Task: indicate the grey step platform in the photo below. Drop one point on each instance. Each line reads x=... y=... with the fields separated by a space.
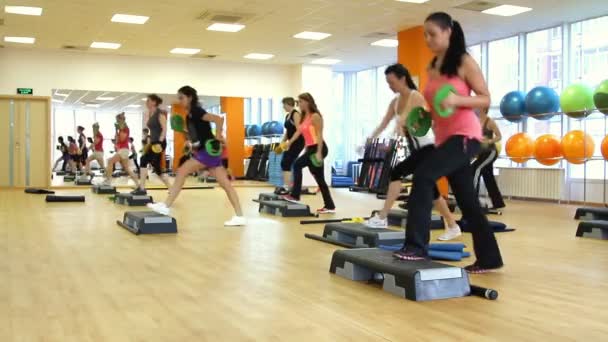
x=148 y=222
x=414 y=280
x=284 y=208
x=591 y=213
x=597 y=229
x=398 y=218
x=132 y=200
x=83 y=180
x=103 y=189
x=69 y=178
x=358 y=235
x=269 y=196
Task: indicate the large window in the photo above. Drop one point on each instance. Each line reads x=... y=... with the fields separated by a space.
x=503 y=66
x=544 y=59
x=475 y=52
x=590 y=50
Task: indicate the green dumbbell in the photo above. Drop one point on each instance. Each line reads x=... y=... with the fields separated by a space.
x=441 y=95
x=316 y=162
x=418 y=122
x=213 y=147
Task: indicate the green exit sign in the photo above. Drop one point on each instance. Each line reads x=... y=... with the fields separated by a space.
x=25 y=91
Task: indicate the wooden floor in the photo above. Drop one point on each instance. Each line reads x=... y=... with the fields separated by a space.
x=69 y=273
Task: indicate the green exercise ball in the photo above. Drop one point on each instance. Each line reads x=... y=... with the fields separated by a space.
x=600 y=98
x=577 y=100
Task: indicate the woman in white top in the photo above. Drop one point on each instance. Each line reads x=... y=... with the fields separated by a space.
x=407 y=98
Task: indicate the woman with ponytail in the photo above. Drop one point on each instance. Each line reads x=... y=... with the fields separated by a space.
x=407 y=97
x=457 y=140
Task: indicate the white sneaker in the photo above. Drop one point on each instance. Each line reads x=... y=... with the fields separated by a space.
x=236 y=221
x=450 y=234
x=376 y=222
x=159 y=207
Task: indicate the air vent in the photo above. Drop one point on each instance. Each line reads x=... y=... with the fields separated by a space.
x=1 y=22
x=228 y=19
x=204 y=56
x=225 y=17
x=379 y=35
x=312 y=55
x=477 y=6
x=75 y=48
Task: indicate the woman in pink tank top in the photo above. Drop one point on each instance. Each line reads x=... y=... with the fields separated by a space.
x=457 y=140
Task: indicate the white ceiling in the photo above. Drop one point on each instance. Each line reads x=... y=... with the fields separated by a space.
x=122 y=101
x=270 y=25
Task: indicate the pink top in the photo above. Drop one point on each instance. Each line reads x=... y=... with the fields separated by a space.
x=308 y=131
x=463 y=122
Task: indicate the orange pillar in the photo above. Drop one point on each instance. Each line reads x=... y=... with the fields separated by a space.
x=416 y=57
x=179 y=139
x=235 y=133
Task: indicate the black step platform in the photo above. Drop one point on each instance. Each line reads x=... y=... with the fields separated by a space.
x=103 y=189
x=414 y=280
x=65 y=198
x=398 y=218
x=148 y=222
x=591 y=213
x=284 y=208
x=358 y=235
x=69 y=178
x=132 y=200
x=597 y=229
x=83 y=180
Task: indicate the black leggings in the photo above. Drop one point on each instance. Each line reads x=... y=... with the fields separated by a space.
x=484 y=167
x=317 y=173
x=290 y=156
x=154 y=159
x=451 y=159
x=134 y=157
x=409 y=165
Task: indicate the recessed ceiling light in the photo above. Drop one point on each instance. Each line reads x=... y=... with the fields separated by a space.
x=261 y=56
x=386 y=43
x=326 y=61
x=105 y=98
x=92 y=105
x=225 y=27
x=185 y=51
x=103 y=45
x=312 y=35
x=507 y=10
x=134 y=106
x=129 y=19
x=56 y=101
x=23 y=10
x=20 y=40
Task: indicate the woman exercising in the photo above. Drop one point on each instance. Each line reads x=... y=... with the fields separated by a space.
x=311 y=128
x=122 y=151
x=133 y=155
x=457 y=139
x=74 y=153
x=292 y=122
x=152 y=155
x=97 y=149
x=484 y=164
x=82 y=145
x=407 y=97
x=65 y=156
x=199 y=131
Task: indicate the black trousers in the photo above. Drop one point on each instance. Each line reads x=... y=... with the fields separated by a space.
x=152 y=158
x=483 y=166
x=451 y=159
x=409 y=165
x=317 y=172
x=289 y=157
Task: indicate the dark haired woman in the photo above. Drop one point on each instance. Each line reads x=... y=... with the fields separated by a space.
x=65 y=156
x=152 y=154
x=121 y=145
x=82 y=145
x=292 y=122
x=484 y=163
x=457 y=140
x=74 y=152
x=311 y=128
x=198 y=123
x=96 y=148
x=407 y=97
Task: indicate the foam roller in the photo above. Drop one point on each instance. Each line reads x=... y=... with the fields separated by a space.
x=64 y=198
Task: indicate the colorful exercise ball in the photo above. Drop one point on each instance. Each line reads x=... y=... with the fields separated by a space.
x=513 y=106
x=604 y=148
x=254 y=131
x=600 y=97
x=548 y=149
x=577 y=100
x=520 y=147
x=542 y=100
x=577 y=147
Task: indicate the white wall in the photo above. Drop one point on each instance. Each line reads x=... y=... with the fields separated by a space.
x=44 y=70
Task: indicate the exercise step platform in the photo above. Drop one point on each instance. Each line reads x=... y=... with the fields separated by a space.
x=132 y=200
x=415 y=280
x=148 y=222
x=69 y=178
x=597 y=229
x=284 y=208
x=591 y=213
x=269 y=196
x=103 y=189
x=83 y=180
x=398 y=218
x=358 y=235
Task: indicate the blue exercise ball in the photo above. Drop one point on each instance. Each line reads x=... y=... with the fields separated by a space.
x=542 y=100
x=246 y=131
x=254 y=131
x=266 y=128
x=277 y=128
x=513 y=106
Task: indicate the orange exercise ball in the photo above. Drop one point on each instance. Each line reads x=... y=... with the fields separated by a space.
x=548 y=149
x=520 y=147
x=577 y=147
x=605 y=147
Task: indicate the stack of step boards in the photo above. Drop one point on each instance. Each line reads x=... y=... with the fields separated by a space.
x=595 y=224
x=103 y=189
x=273 y=204
x=414 y=280
x=148 y=222
x=132 y=200
x=398 y=218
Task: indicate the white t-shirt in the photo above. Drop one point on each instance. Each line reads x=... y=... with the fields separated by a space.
x=418 y=142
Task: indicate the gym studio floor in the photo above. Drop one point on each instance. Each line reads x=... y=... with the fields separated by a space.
x=71 y=274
